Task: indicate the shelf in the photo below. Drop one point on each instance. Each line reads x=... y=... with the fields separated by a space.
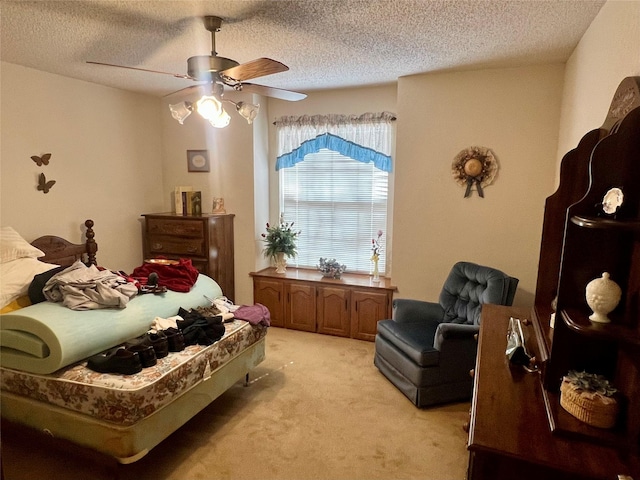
x=562 y=422
x=605 y=223
x=579 y=321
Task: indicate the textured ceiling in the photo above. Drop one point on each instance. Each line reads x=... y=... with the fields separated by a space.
x=325 y=43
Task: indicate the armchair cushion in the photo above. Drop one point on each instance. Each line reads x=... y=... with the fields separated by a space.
x=412 y=339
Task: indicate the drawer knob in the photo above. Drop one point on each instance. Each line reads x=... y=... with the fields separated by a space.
x=157 y=246
x=472 y=373
x=192 y=249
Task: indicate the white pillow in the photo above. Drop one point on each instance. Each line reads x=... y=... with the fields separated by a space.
x=17 y=275
x=13 y=246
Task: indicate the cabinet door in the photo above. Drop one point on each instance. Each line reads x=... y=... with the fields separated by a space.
x=270 y=293
x=300 y=308
x=333 y=311
x=367 y=308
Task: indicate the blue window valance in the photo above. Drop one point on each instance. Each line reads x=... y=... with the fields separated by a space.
x=365 y=138
x=336 y=144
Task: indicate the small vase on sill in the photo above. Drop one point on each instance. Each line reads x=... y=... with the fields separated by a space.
x=281 y=262
x=376 y=273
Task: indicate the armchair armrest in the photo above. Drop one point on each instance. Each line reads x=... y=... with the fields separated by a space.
x=454 y=331
x=405 y=311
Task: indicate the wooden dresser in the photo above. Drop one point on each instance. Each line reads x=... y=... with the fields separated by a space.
x=510 y=436
x=302 y=299
x=206 y=239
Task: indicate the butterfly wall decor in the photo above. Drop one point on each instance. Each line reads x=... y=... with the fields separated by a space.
x=44 y=185
x=43 y=160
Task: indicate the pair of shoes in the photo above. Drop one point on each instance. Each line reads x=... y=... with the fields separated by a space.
x=175 y=339
x=159 y=343
x=156 y=341
x=116 y=360
x=146 y=353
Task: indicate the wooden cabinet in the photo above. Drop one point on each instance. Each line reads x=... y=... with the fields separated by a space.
x=270 y=293
x=300 y=307
x=303 y=300
x=333 y=314
x=206 y=239
x=367 y=308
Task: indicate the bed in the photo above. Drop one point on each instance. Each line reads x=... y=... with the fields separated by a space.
x=47 y=387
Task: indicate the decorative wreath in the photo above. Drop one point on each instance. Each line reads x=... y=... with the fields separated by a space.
x=474 y=165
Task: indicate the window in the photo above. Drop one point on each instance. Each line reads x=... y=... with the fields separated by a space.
x=335 y=189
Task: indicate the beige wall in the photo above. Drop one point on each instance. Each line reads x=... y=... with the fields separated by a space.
x=515 y=113
x=106 y=160
x=608 y=52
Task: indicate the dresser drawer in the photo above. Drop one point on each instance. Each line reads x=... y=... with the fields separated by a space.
x=177 y=246
x=184 y=228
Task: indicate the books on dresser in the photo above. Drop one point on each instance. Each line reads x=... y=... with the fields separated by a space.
x=187 y=201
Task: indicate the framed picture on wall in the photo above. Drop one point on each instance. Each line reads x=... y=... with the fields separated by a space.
x=198 y=160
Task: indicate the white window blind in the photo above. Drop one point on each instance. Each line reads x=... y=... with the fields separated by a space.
x=339 y=204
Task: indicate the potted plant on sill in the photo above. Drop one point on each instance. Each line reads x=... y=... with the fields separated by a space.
x=280 y=243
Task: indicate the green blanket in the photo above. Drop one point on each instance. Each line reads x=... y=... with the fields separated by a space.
x=45 y=337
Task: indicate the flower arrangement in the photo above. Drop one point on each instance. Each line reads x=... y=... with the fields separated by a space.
x=331 y=268
x=280 y=238
x=590 y=382
x=376 y=248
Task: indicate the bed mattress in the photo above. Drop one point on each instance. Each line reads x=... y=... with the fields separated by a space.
x=127 y=399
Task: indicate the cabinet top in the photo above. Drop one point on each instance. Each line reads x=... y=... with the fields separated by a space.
x=310 y=275
x=179 y=215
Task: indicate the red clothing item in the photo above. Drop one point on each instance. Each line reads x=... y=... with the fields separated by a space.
x=179 y=277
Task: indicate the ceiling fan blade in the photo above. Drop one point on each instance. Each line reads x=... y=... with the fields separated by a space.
x=177 y=75
x=186 y=91
x=273 y=92
x=255 y=68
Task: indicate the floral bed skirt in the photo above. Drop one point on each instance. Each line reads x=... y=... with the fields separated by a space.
x=126 y=399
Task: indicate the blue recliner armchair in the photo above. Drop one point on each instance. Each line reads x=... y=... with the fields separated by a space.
x=428 y=349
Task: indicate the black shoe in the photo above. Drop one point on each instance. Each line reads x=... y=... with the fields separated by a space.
x=159 y=343
x=117 y=360
x=146 y=353
x=175 y=339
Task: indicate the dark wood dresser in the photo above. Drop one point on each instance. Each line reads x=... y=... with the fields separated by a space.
x=510 y=436
x=206 y=239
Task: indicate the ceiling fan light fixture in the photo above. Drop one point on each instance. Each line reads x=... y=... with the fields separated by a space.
x=222 y=120
x=248 y=111
x=209 y=107
x=180 y=111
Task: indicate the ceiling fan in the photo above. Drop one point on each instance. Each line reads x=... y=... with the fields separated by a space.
x=216 y=71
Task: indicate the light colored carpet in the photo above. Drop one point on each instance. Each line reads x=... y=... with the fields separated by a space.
x=316 y=408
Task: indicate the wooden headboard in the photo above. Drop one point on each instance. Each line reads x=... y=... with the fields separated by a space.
x=62 y=252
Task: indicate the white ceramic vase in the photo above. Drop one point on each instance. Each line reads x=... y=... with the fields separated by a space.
x=603 y=296
x=281 y=262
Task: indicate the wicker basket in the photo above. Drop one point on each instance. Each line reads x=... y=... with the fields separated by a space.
x=591 y=408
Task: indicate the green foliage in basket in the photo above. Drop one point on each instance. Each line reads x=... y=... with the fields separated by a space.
x=590 y=382
x=280 y=238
